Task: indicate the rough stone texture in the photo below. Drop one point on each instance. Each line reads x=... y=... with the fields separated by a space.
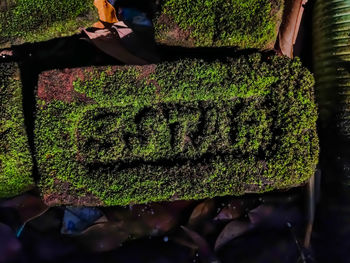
x=15 y=158
x=217 y=23
x=188 y=129
x=197 y=23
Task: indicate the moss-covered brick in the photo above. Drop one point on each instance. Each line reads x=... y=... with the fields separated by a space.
x=39 y=20
x=15 y=157
x=196 y=23
x=213 y=23
x=188 y=129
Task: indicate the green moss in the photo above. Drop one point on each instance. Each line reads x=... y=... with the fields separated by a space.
x=15 y=158
x=241 y=23
x=188 y=129
x=38 y=20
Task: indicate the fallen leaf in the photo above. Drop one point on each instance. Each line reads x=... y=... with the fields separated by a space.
x=184 y=242
x=148 y=220
x=49 y=222
x=27 y=205
x=231 y=211
x=201 y=211
x=258 y=214
x=128 y=220
x=156 y=217
x=204 y=250
x=102 y=237
x=102 y=219
x=231 y=231
x=116 y=213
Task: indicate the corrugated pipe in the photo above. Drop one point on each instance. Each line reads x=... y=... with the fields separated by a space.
x=331 y=60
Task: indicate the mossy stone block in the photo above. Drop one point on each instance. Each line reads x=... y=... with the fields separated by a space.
x=188 y=129
x=38 y=20
x=197 y=23
x=216 y=23
x=15 y=158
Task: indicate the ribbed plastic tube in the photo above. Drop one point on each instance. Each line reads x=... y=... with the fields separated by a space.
x=331 y=53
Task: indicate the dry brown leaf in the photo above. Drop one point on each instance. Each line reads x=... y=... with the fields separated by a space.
x=231 y=211
x=201 y=211
x=231 y=231
x=28 y=206
x=148 y=220
x=102 y=237
x=204 y=250
x=156 y=218
x=184 y=242
x=260 y=213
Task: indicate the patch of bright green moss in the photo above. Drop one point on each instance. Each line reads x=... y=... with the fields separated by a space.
x=188 y=129
x=15 y=157
x=39 y=20
x=240 y=23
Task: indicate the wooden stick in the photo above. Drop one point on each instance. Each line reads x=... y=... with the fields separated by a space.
x=310 y=213
x=289 y=29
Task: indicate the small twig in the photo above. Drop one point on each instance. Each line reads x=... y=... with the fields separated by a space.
x=20 y=230
x=310 y=213
x=205 y=252
x=302 y=256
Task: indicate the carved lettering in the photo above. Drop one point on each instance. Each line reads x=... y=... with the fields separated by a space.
x=161 y=132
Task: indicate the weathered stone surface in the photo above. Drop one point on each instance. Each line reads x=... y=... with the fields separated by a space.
x=188 y=129
x=197 y=23
x=15 y=158
x=38 y=20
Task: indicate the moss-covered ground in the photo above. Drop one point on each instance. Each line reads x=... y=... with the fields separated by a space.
x=240 y=23
x=187 y=129
x=39 y=20
x=15 y=157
